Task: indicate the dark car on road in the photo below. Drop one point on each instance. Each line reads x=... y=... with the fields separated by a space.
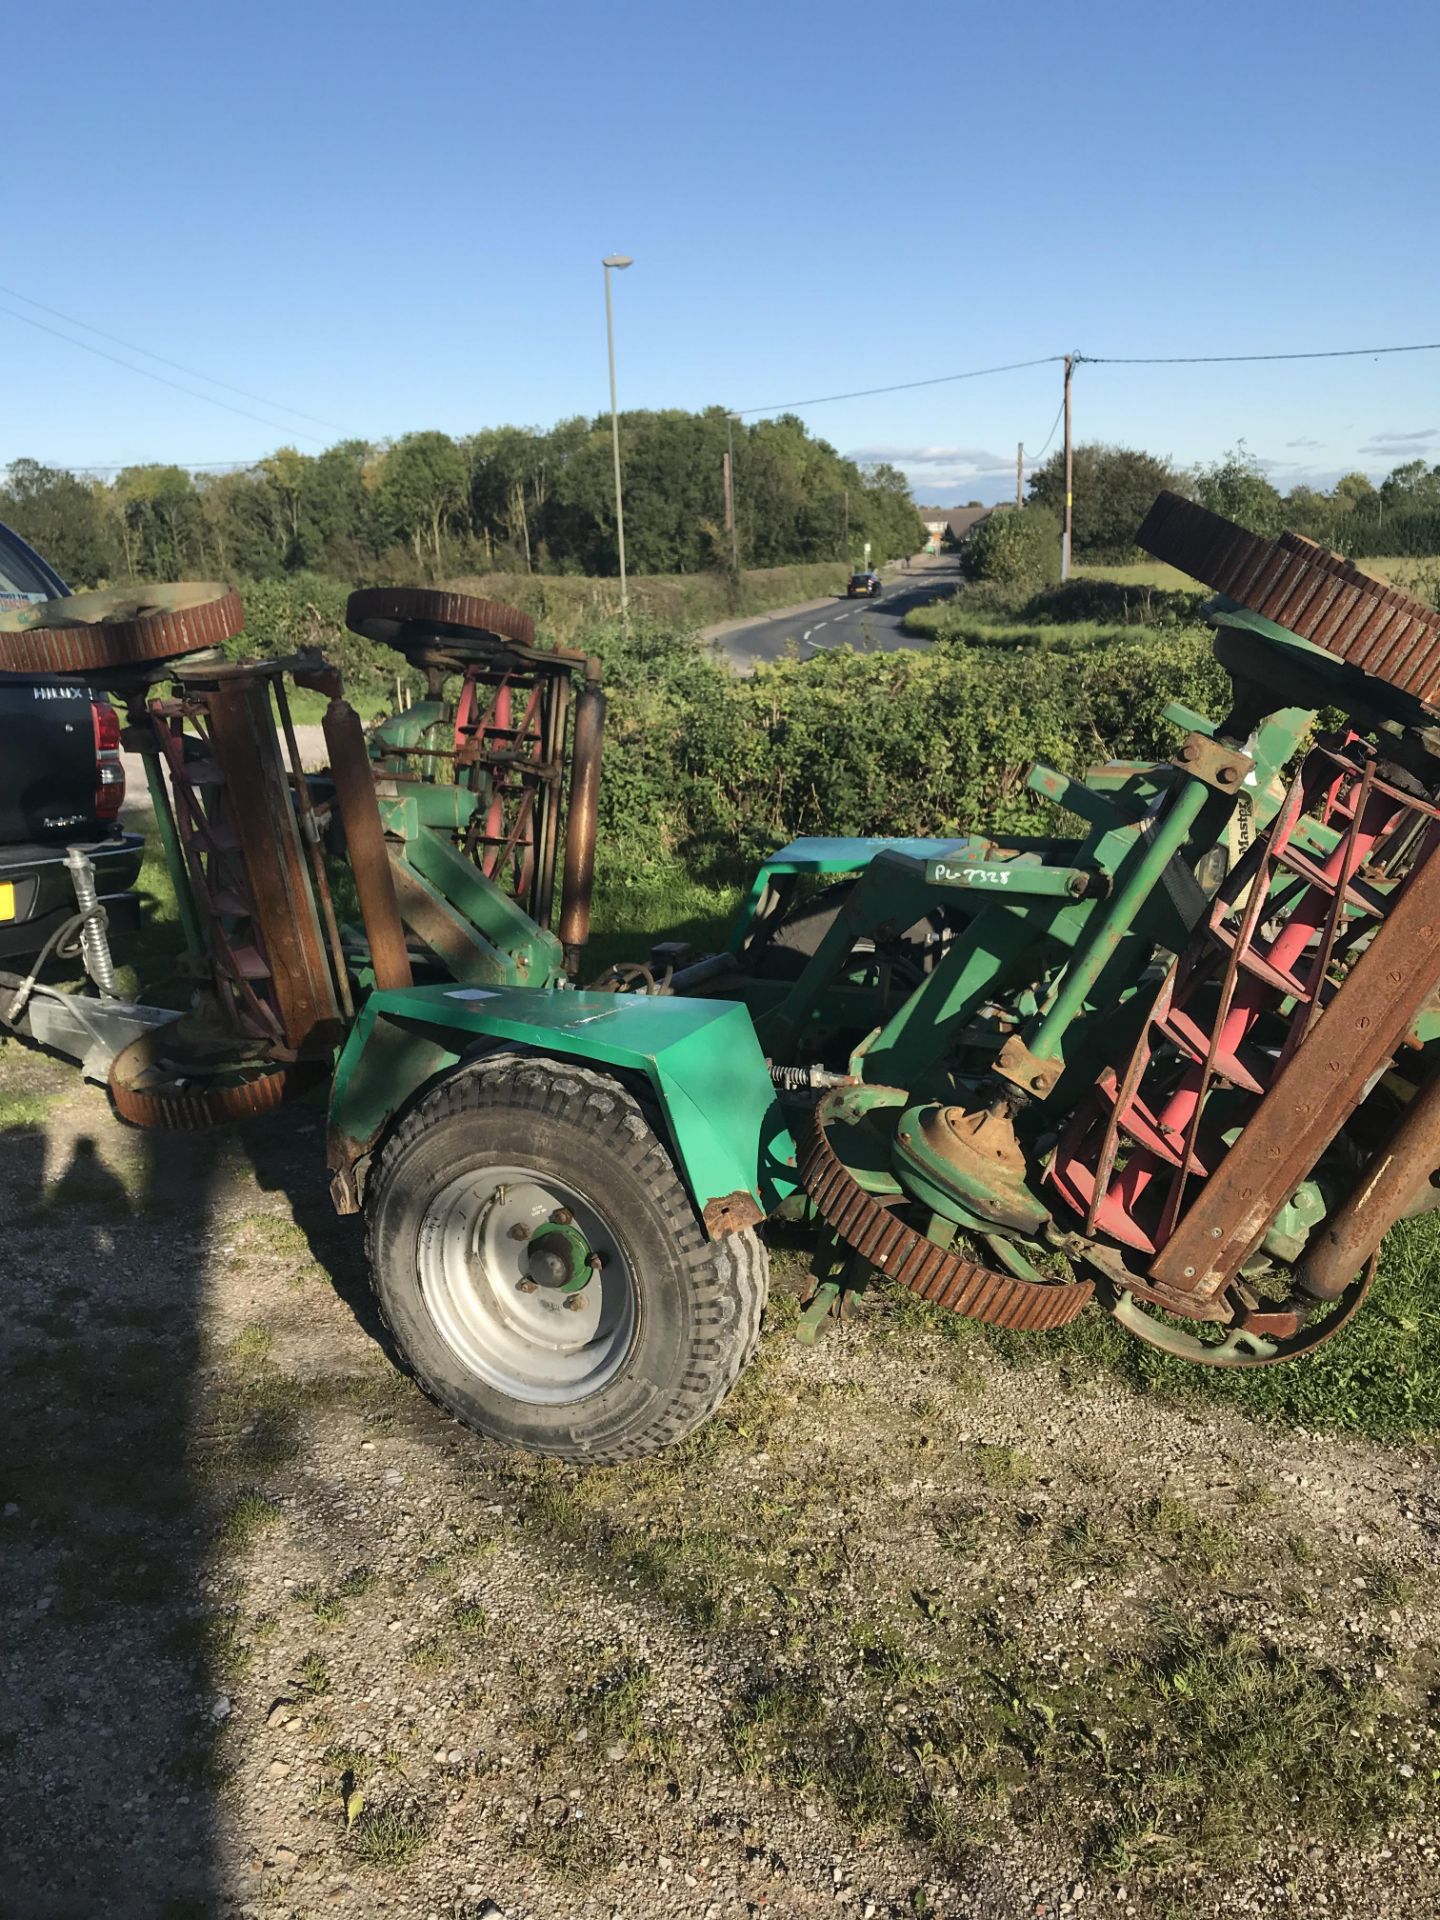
x=62 y=784
x=863 y=586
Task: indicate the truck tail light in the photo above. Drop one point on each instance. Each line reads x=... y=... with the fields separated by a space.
x=109 y=767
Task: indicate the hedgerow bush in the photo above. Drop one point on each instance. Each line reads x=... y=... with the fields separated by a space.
x=715 y=768
x=1014 y=549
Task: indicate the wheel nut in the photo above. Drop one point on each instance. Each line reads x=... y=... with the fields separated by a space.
x=561 y=1217
x=527 y=1285
x=519 y=1231
x=573 y=1303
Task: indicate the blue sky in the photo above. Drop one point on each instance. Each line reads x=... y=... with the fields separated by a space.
x=391 y=217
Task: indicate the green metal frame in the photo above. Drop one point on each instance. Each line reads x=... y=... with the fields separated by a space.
x=700 y=1057
x=488 y=938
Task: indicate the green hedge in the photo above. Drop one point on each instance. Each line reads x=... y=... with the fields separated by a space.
x=715 y=768
x=718 y=769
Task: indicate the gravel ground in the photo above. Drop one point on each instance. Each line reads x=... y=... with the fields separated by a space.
x=894 y=1636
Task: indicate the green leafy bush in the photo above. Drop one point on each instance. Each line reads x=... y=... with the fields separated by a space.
x=1017 y=549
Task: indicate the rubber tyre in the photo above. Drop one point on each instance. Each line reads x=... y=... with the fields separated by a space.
x=698 y=1301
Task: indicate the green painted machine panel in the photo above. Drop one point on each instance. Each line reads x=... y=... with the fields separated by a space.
x=700 y=1056
x=821 y=853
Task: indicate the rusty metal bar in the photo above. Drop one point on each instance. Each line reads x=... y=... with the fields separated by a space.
x=364 y=835
x=556 y=709
x=247 y=750
x=338 y=968
x=1396 y=1175
x=581 y=817
x=1312 y=1098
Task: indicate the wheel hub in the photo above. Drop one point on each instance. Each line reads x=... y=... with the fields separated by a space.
x=541 y=1307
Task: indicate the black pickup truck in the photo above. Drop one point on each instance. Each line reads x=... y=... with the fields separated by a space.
x=62 y=784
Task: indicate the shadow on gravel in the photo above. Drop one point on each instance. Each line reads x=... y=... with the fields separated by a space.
x=108 y=1707
x=286 y=1154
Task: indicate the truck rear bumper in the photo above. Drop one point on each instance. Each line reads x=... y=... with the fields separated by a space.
x=36 y=895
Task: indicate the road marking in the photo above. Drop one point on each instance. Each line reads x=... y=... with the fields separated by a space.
x=807 y=633
x=818 y=624
x=842 y=616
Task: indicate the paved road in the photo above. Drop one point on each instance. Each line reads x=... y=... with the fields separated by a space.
x=869 y=626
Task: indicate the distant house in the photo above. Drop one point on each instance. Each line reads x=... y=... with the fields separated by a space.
x=950 y=523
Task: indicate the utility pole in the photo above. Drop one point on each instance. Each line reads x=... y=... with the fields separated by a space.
x=845 y=554
x=1069 y=477
x=730 y=493
x=1020 y=474
x=618 y=261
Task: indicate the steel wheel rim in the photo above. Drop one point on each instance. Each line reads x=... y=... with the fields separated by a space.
x=527 y=1343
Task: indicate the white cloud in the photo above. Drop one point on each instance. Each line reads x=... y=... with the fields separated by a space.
x=956 y=461
x=1399 y=442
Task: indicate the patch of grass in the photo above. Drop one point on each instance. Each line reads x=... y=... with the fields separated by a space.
x=1202 y=1748
x=430 y=1655
x=611 y=1706
x=250 y=1347
x=25 y=1112
x=312 y=1675
x=1379 y=1376
x=1230 y=1741
x=1085 y=1544
x=246 y=1518
x=961 y=1531
x=1143 y=573
x=391 y=1837
x=1187 y=1536
x=999 y=1466
x=575 y=1849
x=688 y=1571
x=326 y=1605
x=469 y=1617
x=1386 y=1586
x=274 y=1235
x=339 y=1762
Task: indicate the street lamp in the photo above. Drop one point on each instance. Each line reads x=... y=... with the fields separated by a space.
x=730 y=420
x=619 y=261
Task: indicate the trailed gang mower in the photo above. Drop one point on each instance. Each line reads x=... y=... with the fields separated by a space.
x=1180 y=1062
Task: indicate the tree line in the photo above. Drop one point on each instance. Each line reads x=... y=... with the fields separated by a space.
x=508 y=499
x=1114 y=486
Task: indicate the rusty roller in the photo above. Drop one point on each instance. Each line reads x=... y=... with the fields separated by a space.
x=1305 y=589
x=385 y=614
x=119 y=627
x=937 y=1275
x=170 y=1096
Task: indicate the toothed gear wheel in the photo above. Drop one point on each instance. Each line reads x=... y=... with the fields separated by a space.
x=176 y=1097
x=395 y=616
x=896 y=1250
x=119 y=627
x=1310 y=592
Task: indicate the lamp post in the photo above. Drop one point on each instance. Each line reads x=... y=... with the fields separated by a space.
x=730 y=420
x=618 y=261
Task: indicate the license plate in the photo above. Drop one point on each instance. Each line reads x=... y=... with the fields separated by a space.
x=7 y=900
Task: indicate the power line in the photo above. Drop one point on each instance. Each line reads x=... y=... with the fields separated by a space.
x=175 y=366
x=129 y=366
x=120 y=466
x=1049 y=436
x=1219 y=359
x=858 y=393
x=904 y=386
